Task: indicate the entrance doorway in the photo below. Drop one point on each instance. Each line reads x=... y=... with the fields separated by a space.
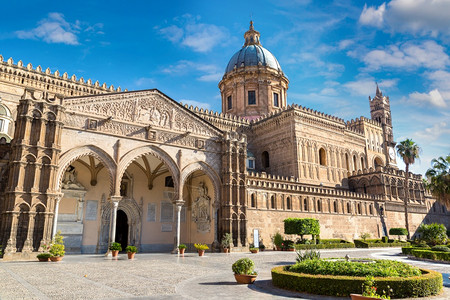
x=122 y=229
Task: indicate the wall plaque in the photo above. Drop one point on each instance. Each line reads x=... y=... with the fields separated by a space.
x=166 y=227
x=151 y=212
x=166 y=211
x=91 y=210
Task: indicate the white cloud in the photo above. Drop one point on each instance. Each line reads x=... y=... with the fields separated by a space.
x=367 y=86
x=409 y=55
x=54 y=29
x=209 y=72
x=200 y=37
x=145 y=81
x=433 y=133
x=434 y=98
x=373 y=16
x=194 y=103
x=344 y=44
x=424 y=17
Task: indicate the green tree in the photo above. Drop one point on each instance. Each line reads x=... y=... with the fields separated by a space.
x=408 y=151
x=433 y=234
x=439 y=179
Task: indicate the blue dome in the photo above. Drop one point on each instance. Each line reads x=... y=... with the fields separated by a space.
x=253 y=55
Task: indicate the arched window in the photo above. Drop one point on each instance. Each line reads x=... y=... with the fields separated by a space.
x=288 y=203
x=253 y=200
x=370 y=209
x=5 y=122
x=359 y=208
x=355 y=168
x=335 y=207
x=347 y=164
x=362 y=163
x=322 y=157
x=265 y=159
x=319 y=205
x=349 y=209
x=378 y=162
x=305 y=204
x=272 y=202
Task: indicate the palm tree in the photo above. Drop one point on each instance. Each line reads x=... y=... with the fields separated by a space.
x=408 y=150
x=439 y=179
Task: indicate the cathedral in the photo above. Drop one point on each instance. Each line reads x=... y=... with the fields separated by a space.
x=100 y=164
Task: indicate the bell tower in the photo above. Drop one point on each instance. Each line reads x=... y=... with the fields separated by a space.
x=380 y=111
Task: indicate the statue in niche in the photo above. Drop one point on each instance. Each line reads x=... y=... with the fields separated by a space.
x=201 y=213
x=70 y=181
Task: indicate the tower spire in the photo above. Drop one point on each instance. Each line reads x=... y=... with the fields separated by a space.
x=378 y=93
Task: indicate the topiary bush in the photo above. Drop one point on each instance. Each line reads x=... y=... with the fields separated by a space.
x=244 y=266
x=378 y=243
x=398 y=232
x=325 y=246
x=427 y=284
x=440 y=248
x=433 y=255
x=301 y=226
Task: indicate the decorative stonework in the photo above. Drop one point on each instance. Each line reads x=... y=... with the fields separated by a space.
x=201 y=209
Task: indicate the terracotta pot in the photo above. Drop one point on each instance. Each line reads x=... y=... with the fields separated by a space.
x=245 y=279
x=201 y=252
x=226 y=250
x=278 y=248
x=114 y=253
x=360 y=297
x=181 y=250
x=254 y=251
x=290 y=249
x=56 y=258
x=131 y=255
x=43 y=259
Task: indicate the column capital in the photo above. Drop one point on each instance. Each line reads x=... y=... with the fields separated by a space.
x=115 y=199
x=179 y=202
x=59 y=196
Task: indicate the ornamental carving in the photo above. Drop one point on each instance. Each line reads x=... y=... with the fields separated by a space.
x=201 y=210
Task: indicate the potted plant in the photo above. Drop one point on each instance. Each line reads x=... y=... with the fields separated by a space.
x=244 y=271
x=181 y=248
x=131 y=251
x=278 y=241
x=288 y=245
x=370 y=291
x=44 y=256
x=201 y=248
x=261 y=246
x=253 y=249
x=115 y=248
x=57 y=247
x=226 y=242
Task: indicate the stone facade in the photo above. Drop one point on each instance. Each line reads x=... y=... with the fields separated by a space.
x=137 y=167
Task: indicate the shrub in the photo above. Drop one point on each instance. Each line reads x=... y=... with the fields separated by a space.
x=433 y=234
x=379 y=268
x=115 y=247
x=308 y=254
x=261 y=246
x=201 y=246
x=287 y=244
x=408 y=250
x=434 y=255
x=440 y=248
x=325 y=246
x=385 y=239
x=378 y=243
x=244 y=266
x=57 y=245
x=365 y=236
x=131 y=249
x=227 y=240
x=398 y=232
x=278 y=240
x=301 y=226
x=429 y=283
x=44 y=255
x=182 y=246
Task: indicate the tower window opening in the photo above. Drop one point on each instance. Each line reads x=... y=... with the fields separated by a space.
x=275 y=100
x=251 y=98
x=322 y=157
x=229 y=102
x=265 y=159
x=272 y=202
x=253 y=200
x=288 y=203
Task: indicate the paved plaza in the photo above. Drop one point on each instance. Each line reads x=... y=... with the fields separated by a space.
x=165 y=276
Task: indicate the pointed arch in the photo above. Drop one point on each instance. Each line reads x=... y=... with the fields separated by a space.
x=208 y=170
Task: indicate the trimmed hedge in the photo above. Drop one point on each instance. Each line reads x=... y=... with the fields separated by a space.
x=429 y=254
x=324 y=246
x=407 y=250
x=371 y=244
x=427 y=284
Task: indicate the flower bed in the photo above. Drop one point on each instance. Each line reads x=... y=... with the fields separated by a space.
x=427 y=284
x=378 y=243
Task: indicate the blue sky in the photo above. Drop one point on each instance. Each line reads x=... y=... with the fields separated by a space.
x=333 y=52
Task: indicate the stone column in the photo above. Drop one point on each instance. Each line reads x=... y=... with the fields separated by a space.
x=115 y=201
x=178 y=205
x=28 y=245
x=216 y=207
x=11 y=245
x=55 y=218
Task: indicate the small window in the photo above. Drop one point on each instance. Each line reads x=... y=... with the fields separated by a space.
x=319 y=205
x=229 y=102
x=168 y=181
x=335 y=207
x=265 y=159
x=288 y=203
x=359 y=208
x=370 y=209
x=305 y=204
x=272 y=202
x=275 y=100
x=349 y=209
x=251 y=163
x=251 y=98
x=253 y=200
x=322 y=157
